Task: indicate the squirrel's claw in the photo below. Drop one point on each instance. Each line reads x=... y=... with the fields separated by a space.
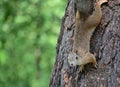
x=96 y=66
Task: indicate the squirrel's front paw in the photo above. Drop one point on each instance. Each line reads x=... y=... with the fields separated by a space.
x=81 y=68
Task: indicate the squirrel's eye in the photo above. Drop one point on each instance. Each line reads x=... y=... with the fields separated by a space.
x=76 y=57
x=71 y=64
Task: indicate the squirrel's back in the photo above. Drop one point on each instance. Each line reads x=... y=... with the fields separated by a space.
x=85 y=7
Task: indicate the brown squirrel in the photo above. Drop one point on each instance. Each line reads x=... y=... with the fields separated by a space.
x=85 y=23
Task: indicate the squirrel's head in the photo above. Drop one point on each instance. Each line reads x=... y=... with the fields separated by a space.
x=74 y=59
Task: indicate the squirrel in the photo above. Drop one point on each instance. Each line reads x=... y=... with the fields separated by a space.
x=86 y=21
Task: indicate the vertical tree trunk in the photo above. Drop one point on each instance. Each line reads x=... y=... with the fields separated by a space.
x=105 y=42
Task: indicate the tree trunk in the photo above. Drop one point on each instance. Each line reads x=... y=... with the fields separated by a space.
x=105 y=42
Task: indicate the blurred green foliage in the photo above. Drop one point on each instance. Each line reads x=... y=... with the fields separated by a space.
x=28 y=35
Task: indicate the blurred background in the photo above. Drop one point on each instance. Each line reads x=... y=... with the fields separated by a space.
x=29 y=31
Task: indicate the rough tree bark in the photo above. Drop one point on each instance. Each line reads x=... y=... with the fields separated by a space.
x=105 y=42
